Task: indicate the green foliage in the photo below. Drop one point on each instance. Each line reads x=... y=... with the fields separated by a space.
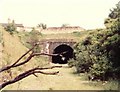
x=33 y=38
x=98 y=54
x=71 y=63
x=92 y=56
x=65 y=25
x=11 y=27
x=77 y=33
x=42 y=25
x=83 y=58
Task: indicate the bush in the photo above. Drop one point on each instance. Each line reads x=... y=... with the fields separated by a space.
x=71 y=63
x=11 y=27
x=99 y=53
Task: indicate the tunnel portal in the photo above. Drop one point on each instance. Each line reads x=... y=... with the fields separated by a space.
x=64 y=57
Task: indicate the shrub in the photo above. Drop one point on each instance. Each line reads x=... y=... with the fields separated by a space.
x=11 y=27
x=71 y=63
x=98 y=54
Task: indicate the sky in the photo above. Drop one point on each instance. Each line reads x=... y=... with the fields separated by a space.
x=89 y=14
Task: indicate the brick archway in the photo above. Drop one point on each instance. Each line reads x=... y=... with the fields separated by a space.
x=50 y=45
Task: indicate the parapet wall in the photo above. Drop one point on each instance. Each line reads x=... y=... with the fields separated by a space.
x=56 y=30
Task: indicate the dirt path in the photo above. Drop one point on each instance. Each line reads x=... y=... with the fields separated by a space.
x=65 y=80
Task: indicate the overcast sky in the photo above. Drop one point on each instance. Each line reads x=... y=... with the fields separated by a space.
x=89 y=14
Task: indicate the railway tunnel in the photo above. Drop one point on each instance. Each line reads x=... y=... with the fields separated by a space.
x=66 y=54
x=63 y=47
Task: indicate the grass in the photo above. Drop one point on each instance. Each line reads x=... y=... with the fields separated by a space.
x=76 y=36
x=103 y=85
x=13 y=49
x=65 y=80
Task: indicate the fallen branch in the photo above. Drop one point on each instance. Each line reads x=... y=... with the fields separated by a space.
x=28 y=73
x=13 y=65
x=16 y=64
x=23 y=55
x=31 y=71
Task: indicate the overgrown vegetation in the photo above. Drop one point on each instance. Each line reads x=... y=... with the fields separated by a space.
x=32 y=38
x=98 y=54
x=29 y=39
x=11 y=27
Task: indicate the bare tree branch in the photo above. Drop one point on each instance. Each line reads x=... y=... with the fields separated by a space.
x=28 y=73
x=23 y=55
x=31 y=71
x=29 y=58
x=13 y=65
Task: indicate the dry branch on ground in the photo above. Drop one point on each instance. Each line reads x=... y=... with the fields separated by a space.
x=33 y=71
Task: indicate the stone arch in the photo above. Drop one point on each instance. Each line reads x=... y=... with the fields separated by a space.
x=62 y=59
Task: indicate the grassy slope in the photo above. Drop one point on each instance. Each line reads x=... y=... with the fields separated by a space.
x=11 y=50
x=12 y=46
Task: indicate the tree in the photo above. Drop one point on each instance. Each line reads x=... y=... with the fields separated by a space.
x=11 y=27
x=101 y=52
x=113 y=20
x=42 y=25
x=113 y=40
x=65 y=25
x=34 y=37
x=115 y=12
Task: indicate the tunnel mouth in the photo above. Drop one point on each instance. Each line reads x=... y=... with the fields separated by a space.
x=65 y=53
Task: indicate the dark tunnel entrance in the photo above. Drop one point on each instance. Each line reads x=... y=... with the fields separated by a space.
x=64 y=57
